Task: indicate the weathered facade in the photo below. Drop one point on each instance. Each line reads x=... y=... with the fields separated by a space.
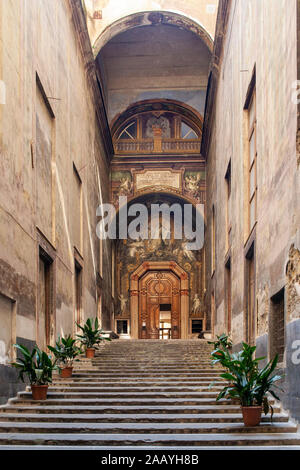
x=174 y=103
x=54 y=164
x=61 y=115
x=253 y=217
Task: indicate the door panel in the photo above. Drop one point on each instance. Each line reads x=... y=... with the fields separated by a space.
x=155 y=289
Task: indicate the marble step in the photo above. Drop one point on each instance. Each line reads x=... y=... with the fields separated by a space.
x=140 y=418
x=138 y=380
x=169 y=400
x=40 y=407
x=269 y=448
x=187 y=395
x=126 y=389
x=195 y=439
x=152 y=428
x=116 y=374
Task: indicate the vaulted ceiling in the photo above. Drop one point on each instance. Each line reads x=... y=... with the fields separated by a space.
x=154 y=62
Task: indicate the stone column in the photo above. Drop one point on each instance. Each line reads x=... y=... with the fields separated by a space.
x=185 y=301
x=134 y=308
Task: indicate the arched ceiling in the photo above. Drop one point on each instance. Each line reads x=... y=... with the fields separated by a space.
x=157 y=61
x=102 y=14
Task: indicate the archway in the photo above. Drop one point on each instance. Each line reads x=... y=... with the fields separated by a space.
x=170 y=287
x=152 y=18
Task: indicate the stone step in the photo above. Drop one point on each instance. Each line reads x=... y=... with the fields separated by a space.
x=141 y=371
x=99 y=389
x=154 y=357
x=138 y=380
x=172 y=440
x=152 y=352
x=117 y=401
x=159 y=366
x=141 y=374
x=102 y=396
x=118 y=448
x=40 y=407
x=152 y=428
x=153 y=369
x=139 y=418
x=140 y=394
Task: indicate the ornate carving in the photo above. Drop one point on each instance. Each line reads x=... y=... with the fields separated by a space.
x=184 y=292
x=134 y=293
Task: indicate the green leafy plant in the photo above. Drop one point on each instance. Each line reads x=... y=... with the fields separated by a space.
x=65 y=350
x=249 y=384
x=91 y=335
x=223 y=342
x=36 y=365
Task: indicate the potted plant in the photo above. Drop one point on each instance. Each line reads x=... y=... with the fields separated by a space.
x=91 y=335
x=249 y=384
x=38 y=366
x=221 y=352
x=65 y=351
x=223 y=342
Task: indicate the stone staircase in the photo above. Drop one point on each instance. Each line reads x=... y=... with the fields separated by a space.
x=145 y=394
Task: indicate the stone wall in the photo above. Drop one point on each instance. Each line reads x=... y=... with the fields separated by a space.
x=48 y=130
x=258 y=41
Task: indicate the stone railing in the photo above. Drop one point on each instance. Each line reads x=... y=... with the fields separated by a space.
x=157 y=145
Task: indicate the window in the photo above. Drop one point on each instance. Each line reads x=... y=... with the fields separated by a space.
x=228 y=205
x=187 y=132
x=213 y=241
x=78 y=292
x=45 y=156
x=113 y=257
x=250 y=296
x=165 y=307
x=251 y=157
x=122 y=327
x=228 y=294
x=212 y=312
x=99 y=307
x=77 y=219
x=101 y=257
x=44 y=296
x=197 y=326
x=129 y=132
x=276 y=326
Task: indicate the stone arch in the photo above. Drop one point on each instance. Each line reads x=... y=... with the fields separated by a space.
x=148 y=193
x=148 y=18
x=185 y=111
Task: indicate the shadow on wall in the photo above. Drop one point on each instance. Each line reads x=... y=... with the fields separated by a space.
x=10 y=384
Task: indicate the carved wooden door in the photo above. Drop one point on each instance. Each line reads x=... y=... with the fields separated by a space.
x=158 y=288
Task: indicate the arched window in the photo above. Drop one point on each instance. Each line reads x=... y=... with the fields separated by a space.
x=129 y=131
x=187 y=132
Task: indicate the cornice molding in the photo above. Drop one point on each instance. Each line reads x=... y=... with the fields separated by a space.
x=78 y=18
x=213 y=80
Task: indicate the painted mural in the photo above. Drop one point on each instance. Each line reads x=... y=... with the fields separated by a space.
x=130 y=254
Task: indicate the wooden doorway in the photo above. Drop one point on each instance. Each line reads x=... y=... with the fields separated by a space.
x=159 y=305
x=143 y=316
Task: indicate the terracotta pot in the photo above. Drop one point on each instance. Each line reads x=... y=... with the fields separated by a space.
x=66 y=372
x=90 y=352
x=251 y=415
x=39 y=392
